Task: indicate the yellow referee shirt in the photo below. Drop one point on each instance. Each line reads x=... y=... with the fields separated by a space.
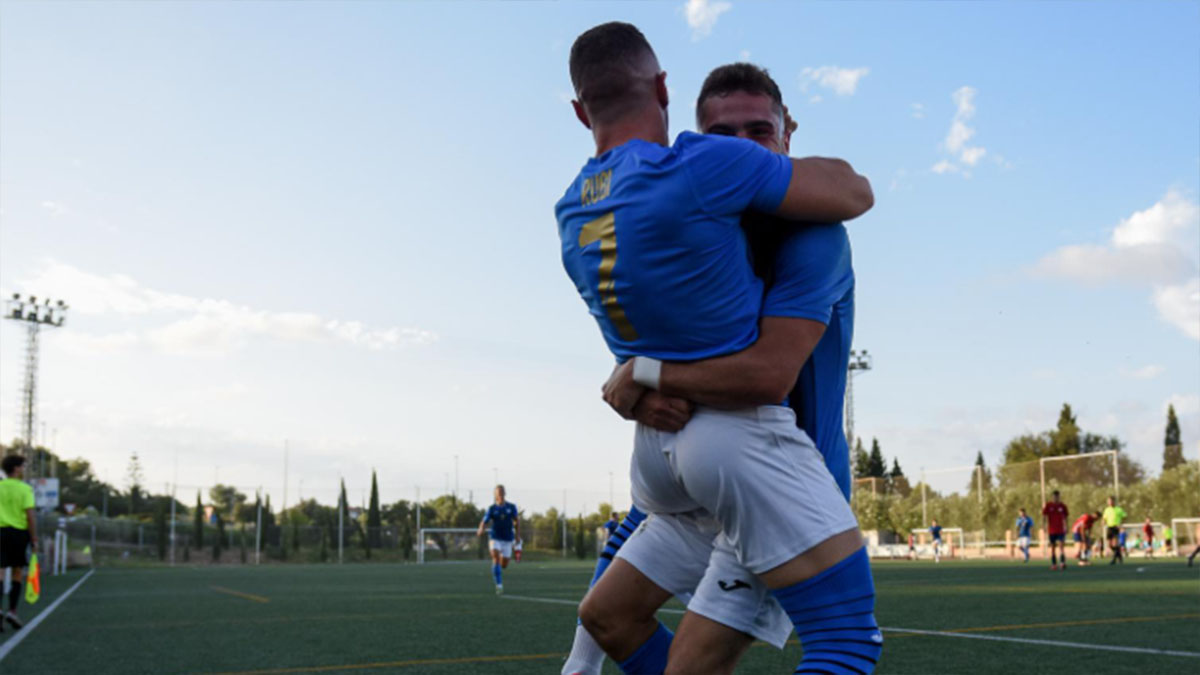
x=16 y=497
x=1113 y=516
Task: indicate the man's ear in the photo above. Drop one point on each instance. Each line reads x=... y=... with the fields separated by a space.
x=660 y=89
x=581 y=114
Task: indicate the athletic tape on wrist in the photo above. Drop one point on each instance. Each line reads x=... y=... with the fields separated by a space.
x=647 y=371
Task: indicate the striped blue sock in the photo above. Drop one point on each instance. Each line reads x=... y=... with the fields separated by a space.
x=651 y=657
x=616 y=540
x=496 y=572
x=834 y=615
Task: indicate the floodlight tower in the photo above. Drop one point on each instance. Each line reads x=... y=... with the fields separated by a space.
x=27 y=310
x=860 y=361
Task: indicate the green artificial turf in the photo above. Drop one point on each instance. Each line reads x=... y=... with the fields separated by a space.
x=406 y=618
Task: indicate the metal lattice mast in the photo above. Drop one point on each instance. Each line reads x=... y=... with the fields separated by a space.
x=859 y=361
x=34 y=316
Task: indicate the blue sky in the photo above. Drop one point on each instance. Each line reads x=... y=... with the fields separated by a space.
x=332 y=223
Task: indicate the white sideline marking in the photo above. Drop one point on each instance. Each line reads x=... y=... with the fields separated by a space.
x=573 y=603
x=1048 y=643
x=938 y=633
x=23 y=633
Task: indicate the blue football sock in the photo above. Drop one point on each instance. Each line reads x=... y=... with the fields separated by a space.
x=496 y=573
x=834 y=615
x=651 y=657
x=616 y=540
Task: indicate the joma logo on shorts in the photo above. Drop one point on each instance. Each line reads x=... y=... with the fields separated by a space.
x=737 y=583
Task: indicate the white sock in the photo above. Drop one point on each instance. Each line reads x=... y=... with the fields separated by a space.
x=586 y=656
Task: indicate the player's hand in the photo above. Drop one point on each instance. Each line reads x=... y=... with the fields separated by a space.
x=621 y=392
x=662 y=412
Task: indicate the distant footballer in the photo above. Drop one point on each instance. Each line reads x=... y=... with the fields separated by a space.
x=505 y=530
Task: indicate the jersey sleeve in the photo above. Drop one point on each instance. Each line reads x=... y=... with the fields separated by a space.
x=28 y=502
x=813 y=271
x=732 y=175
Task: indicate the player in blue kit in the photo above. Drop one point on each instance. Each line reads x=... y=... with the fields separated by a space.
x=1024 y=532
x=682 y=289
x=506 y=529
x=935 y=531
x=810 y=282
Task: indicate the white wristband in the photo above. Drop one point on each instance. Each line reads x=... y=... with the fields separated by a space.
x=647 y=371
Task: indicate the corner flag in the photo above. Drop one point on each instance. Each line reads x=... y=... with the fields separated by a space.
x=33 y=583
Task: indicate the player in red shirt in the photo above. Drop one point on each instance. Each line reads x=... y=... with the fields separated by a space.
x=1081 y=532
x=1148 y=536
x=1054 y=516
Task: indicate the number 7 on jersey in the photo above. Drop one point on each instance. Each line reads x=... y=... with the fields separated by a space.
x=604 y=230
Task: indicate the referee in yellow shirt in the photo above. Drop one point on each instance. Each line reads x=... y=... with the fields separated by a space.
x=18 y=531
x=1113 y=517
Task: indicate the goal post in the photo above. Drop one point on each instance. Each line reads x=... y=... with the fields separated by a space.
x=1185 y=533
x=448 y=540
x=952 y=537
x=1103 y=456
x=1133 y=534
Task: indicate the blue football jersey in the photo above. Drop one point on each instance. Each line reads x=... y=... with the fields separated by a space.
x=812 y=277
x=936 y=531
x=501 y=516
x=1024 y=526
x=651 y=238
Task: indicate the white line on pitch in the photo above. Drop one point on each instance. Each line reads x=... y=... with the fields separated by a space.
x=969 y=636
x=21 y=634
x=1048 y=643
x=573 y=603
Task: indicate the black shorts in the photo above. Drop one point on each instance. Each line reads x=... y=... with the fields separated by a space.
x=1058 y=538
x=1113 y=532
x=14 y=547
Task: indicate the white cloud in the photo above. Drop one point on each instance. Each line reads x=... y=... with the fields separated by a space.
x=960 y=133
x=1155 y=247
x=1179 y=306
x=841 y=81
x=918 y=111
x=702 y=16
x=946 y=166
x=815 y=98
x=1162 y=223
x=1185 y=404
x=55 y=208
x=207 y=325
x=88 y=344
x=1148 y=372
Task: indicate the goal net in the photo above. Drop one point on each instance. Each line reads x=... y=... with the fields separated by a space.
x=438 y=544
x=1135 y=539
x=952 y=542
x=1185 y=535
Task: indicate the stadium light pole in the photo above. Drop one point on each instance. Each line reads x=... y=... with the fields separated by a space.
x=27 y=310
x=258 y=527
x=341 y=510
x=860 y=361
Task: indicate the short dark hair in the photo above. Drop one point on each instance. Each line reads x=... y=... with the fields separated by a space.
x=604 y=62
x=746 y=77
x=11 y=462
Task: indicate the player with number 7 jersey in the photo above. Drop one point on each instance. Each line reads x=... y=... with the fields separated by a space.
x=651 y=236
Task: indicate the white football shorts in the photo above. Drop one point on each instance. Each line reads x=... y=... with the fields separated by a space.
x=676 y=552
x=1022 y=542
x=754 y=471
x=504 y=547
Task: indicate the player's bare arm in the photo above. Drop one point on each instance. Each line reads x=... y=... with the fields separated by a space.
x=761 y=374
x=825 y=190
